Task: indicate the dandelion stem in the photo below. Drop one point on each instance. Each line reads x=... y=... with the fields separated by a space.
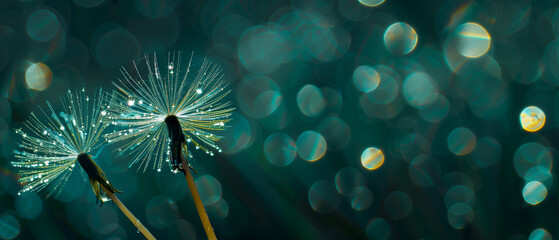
x=129 y=215
x=196 y=196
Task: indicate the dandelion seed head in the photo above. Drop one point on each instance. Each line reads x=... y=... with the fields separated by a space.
x=193 y=91
x=52 y=140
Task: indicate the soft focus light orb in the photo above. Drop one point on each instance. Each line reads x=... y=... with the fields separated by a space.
x=347 y=180
x=28 y=205
x=400 y=38
x=424 y=170
x=280 y=149
x=365 y=78
x=540 y=234
x=38 y=76
x=532 y=119
x=372 y=158
x=398 y=205
x=162 y=212
x=371 y=3
x=239 y=136
x=102 y=220
x=115 y=48
x=219 y=208
x=262 y=49
x=534 y=192
x=459 y=215
x=473 y=40
x=258 y=96
x=361 y=198
x=540 y=174
x=459 y=193
x=311 y=146
x=461 y=141
x=532 y=155
x=89 y=3
x=420 y=90
x=436 y=111
x=310 y=100
x=209 y=188
x=42 y=25
x=487 y=153
x=323 y=196
x=378 y=228
x=9 y=226
x=336 y=133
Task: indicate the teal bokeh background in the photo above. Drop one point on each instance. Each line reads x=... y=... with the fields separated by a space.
x=315 y=83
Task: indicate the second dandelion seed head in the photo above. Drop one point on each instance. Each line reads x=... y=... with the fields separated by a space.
x=52 y=143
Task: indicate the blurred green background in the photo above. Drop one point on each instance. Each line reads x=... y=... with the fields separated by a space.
x=394 y=119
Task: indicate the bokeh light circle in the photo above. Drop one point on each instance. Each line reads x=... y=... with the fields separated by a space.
x=378 y=229
x=347 y=179
x=365 y=78
x=116 y=48
x=29 y=205
x=310 y=100
x=436 y=111
x=280 y=149
x=371 y=3
x=9 y=226
x=361 y=198
x=425 y=170
x=156 y=8
x=372 y=158
x=388 y=87
x=166 y=183
x=88 y=3
x=161 y=212
x=459 y=193
x=323 y=196
x=219 y=208
x=258 y=96
x=532 y=155
x=540 y=234
x=540 y=174
x=42 y=25
x=534 y=192
x=239 y=136
x=460 y=215
x=473 y=40
x=532 y=119
x=400 y=38
x=262 y=49
x=209 y=189
x=461 y=141
x=311 y=146
x=38 y=76
x=420 y=90
x=398 y=205
x=102 y=220
x=336 y=133
x=487 y=152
